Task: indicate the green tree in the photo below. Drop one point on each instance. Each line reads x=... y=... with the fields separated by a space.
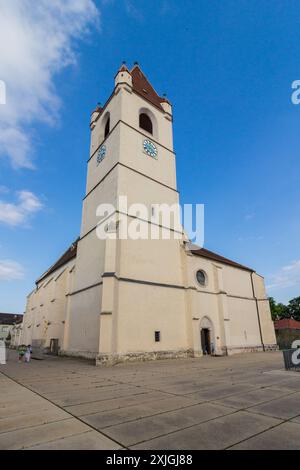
x=294 y=308
x=278 y=311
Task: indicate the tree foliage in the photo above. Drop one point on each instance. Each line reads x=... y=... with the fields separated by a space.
x=279 y=310
x=294 y=308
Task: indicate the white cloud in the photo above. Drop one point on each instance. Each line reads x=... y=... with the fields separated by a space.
x=19 y=213
x=133 y=11
x=10 y=270
x=37 y=40
x=287 y=276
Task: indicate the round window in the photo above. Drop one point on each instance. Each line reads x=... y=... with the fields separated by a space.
x=201 y=277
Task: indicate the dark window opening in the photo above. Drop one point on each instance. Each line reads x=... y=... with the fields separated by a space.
x=157 y=336
x=107 y=128
x=146 y=123
x=201 y=277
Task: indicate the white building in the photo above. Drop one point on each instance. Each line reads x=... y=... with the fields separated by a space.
x=134 y=299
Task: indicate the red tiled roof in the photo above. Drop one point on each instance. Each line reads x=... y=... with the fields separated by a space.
x=215 y=257
x=287 y=323
x=67 y=256
x=142 y=86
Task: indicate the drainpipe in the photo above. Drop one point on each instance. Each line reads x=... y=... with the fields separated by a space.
x=257 y=310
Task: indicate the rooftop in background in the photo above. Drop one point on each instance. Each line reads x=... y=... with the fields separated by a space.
x=10 y=318
x=287 y=324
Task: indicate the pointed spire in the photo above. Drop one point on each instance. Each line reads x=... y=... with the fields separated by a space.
x=164 y=99
x=123 y=67
x=123 y=75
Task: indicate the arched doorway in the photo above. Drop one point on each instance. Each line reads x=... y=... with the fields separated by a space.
x=207 y=336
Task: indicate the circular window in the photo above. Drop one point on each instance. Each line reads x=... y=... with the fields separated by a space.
x=201 y=277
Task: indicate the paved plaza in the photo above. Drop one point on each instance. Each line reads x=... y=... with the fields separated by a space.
x=245 y=401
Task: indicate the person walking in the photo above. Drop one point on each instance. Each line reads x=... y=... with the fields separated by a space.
x=21 y=352
x=28 y=352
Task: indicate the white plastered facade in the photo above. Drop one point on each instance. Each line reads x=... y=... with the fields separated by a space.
x=108 y=302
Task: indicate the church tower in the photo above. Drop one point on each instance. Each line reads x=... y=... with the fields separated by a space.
x=133 y=286
x=128 y=297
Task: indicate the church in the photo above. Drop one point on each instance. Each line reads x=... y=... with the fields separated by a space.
x=117 y=299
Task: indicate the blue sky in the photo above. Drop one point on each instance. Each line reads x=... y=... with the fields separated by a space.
x=226 y=66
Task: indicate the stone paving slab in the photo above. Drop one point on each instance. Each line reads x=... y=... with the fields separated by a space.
x=148 y=428
x=114 y=403
x=27 y=420
x=285 y=436
x=32 y=419
x=216 y=434
x=91 y=440
x=251 y=398
x=85 y=397
x=21 y=438
x=109 y=418
x=284 y=408
x=173 y=404
x=217 y=392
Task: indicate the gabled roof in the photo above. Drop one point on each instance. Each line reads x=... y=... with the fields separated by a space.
x=10 y=318
x=69 y=254
x=143 y=87
x=215 y=257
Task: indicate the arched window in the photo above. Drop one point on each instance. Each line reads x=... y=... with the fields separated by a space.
x=146 y=123
x=107 y=127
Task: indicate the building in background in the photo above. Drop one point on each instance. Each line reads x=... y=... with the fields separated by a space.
x=8 y=322
x=287 y=330
x=122 y=299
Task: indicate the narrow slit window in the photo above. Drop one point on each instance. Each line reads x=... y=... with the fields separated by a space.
x=157 y=336
x=107 y=128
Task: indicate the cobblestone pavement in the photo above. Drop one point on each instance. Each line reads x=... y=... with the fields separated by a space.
x=245 y=401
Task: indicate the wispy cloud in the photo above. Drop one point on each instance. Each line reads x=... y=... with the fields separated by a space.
x=249 y=216
x=133 y=11
x=38 y=39
x=287 y=276
x=10 y=270
x=19 y=212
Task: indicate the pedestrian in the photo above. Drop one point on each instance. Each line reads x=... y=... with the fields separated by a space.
x=21 y=352
x=28 y=353
x=2 y=352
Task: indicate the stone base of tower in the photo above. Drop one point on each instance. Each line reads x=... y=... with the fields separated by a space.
x=110 y=359
x=90 y=355
x=250 y=349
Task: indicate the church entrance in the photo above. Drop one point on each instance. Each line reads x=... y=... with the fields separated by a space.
x=205 y=341
x=207 y=336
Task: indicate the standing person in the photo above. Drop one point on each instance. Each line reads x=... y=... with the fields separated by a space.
x=2 y=352
x=21 y=352
x=28 y=353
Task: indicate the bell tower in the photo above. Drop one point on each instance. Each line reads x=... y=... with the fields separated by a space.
x=120 y=302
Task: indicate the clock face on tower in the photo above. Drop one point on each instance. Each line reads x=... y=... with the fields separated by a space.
x=101 y=154
x=150 y=148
